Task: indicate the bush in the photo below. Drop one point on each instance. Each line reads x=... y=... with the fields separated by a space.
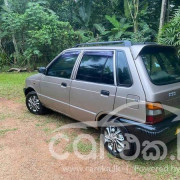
x=39 y=35
x=170 y=33
x=4 y=60
x=47 y=38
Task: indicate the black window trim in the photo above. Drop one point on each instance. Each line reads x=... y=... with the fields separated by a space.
x=117 y=78
x=56 y=58
x=98 y=50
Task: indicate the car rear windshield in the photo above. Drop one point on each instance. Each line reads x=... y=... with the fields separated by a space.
x=162 y=64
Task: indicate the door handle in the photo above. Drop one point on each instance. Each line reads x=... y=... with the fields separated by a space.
x=63 y=84
x=105 y=93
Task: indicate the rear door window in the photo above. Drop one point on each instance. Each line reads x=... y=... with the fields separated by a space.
x=123 y=72
x=96 y=67
x=162 y=64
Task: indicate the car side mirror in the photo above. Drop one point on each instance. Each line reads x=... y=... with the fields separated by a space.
x=42 y=70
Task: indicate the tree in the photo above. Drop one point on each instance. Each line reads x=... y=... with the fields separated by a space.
x=170 y=33
x=133 y=7
x=12 y=32
x=117 y=31
x=163 y=14
x=39 y=31
x=34 y=31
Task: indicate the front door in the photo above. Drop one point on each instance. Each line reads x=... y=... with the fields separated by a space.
x=55 y=85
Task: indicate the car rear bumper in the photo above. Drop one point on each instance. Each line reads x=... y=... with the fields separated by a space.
x=164 y=131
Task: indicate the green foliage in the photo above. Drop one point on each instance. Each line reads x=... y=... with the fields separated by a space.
x=85 y=36
x=45 y=32
x=102 y=32
x=39 y=33
x=33 y=32
x=4 y=59
x=126 y=9
x=170 y=34
x=119 y=29
x=144 y=34
x=85 y=11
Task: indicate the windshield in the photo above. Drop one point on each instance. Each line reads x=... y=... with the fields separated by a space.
x=162 y=64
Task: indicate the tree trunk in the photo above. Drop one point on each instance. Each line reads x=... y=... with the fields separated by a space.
x=168 y=10
x=135 y=25
x=6 y=3
x=1 y=45
x=16 y=48
x=134 y=11
x=163 y=14
x=13 y=36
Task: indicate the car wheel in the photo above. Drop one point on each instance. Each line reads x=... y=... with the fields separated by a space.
x=34 y=105
x=116 y=142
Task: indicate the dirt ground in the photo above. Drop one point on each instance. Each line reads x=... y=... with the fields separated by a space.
x=24 y=152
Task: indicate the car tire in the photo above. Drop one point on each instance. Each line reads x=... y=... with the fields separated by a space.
x=34 y=105
x=115 y=140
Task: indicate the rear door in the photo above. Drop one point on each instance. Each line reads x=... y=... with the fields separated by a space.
x=55 y=85
x=93 y=89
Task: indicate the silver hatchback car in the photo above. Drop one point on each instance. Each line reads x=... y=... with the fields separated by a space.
x=131 y=83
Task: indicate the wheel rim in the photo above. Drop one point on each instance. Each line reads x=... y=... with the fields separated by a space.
x=114 y=139
x=34 y=103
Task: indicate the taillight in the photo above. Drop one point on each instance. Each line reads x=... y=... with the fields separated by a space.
x=154 y=113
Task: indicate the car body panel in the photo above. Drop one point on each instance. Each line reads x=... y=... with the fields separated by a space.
x=83 y=101
x=53 y=94
x=134 y=93
x=86 y=100
x=136 y=49
x=34 y=82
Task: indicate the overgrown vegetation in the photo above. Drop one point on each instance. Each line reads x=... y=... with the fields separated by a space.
x=33 y=32
x=170 y=33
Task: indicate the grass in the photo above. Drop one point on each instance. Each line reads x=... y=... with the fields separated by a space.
x=110 y=156
x=83 y=147
x=160 y=169
x=4 y=116
x=1 y=147
x=12 y=84
x=4 y=131
x=47 y=130
x=53 y=118
x=11 y=87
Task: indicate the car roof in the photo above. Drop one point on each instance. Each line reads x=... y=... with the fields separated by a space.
x=135 y=49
